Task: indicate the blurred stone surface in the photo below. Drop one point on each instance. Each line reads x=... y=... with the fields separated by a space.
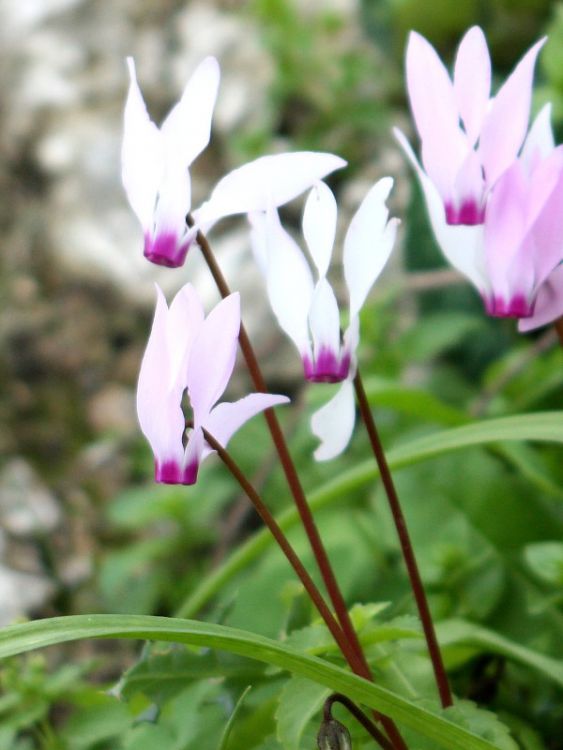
x=21 y=593
x=26 y=505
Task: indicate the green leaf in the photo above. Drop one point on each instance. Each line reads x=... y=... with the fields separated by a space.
x=92 y=724
x=543 y=426
x=223 y=744
x=545 y=559
x=299 y=702
x=484 y=723
x=458 y=632
x=18 y=639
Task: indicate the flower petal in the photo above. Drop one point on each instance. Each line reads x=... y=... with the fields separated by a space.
x=158 y=396
x=333 y=424
x=472 y=81
x=212 y=356
x=506 y=123
x=142 y=154
x=434 y=108
x=266 y=182
x=368 y=243
x=288 y=278
x=324 y=321
x=319 y=225
x=539 y=142
x=187 y=129
x=549 y=303
x=185 y=318
x=226 y=418
x=462 y=245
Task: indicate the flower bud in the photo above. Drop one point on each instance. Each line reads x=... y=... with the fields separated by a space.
x=333 y=736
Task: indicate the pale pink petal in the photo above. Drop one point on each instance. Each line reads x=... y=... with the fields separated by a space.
x=333 y=424
x=185 y=318
x=472 y=81
x=226 y=418
x=324 y=320
x=469 y=188
x=288 y=277
x=539 y=142
x=158 y=397
x=547 y=230
x=368 y=243
x=505 y=231
x=506 y=123
x=212 y=356
x=434 y=108
x=462 y=245
x=319 y=225
x=187 y=128
x=549 y=303
x=194 y=455
x=351 y=341
x=269 y=181
x=142 y=154
x=174 y=199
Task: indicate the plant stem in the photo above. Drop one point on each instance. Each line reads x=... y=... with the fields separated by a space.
x=406 y=545
x=357 y=713
x=335 y=629
x=289 y=469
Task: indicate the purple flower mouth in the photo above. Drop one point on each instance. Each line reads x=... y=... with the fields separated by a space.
x=516 y=307
x=166 y=250
x=170 y=472
x=468 y=214
x=327 y=367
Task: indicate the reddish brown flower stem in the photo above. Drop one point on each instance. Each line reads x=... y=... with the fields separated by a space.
x=406 y=545
x=357 y=713
x=296 y=490
x=558 y=325
x=308 y=583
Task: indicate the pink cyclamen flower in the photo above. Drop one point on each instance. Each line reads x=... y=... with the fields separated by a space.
x=156 y=162
x=511 y=255
x=468 y=139
x=308 y=311
x=185 y=350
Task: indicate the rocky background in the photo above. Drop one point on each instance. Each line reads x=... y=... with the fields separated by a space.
x=76 y=291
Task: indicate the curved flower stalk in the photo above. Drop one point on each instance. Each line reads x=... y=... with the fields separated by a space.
x=308 y=311
x=156 y=161
x=185 y=350
x=512 y=254
x=468 y=139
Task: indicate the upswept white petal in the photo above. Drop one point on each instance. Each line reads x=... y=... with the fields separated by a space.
x=462 y=245
x=506 y=123
x=319 y=225
x=324 y=319
x=158 y=396
x=269 y=181
x=212 y=356
x=185 y=318
x=472 y=81
x=333 y=424
x=434 y=108
x=289 y=280
x=226 y=418
x=368 y=243
x=174 y=200
x=142 y=153
x=187 y=128
x=539 y=142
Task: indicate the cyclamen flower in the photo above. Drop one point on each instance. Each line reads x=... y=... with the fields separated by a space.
x=468 y=139
x=188 y=351
x=520 y=244
x=156 y=161
x=308 y=311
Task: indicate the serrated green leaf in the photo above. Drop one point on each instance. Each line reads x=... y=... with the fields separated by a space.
x=545 y=559
x=446 y=734
x=93 y=724
x=300 y=700
x=482 y=722
x=542 y=426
